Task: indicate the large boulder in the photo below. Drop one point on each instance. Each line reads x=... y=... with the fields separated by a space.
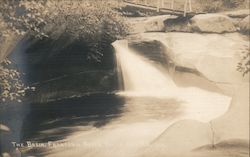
x=149 y=24
x=215 y=56
x=156 y=24
x=245 y=24
x=212 y=23
x=179 y=24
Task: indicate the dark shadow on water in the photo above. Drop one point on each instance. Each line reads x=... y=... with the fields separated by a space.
x=59 y=71
x=61 y=116
x=56 y=120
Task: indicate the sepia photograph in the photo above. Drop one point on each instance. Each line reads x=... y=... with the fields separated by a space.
x=124 y=78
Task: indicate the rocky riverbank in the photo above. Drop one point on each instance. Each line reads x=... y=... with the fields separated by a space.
x=208 y=46
x=235 y=21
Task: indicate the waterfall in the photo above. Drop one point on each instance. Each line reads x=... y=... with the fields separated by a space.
x=142 y=78
x=139 y=75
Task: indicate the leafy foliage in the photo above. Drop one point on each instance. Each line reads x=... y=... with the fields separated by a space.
x=210 y=5
x=23 y=16
x=244 y=64
x=233 y=3
x=96 y=24
x=220 y=5
x=11 y=86
x=92 y=22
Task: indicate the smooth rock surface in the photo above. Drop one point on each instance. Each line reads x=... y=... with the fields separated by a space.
x=212 y=23
x=214 y=56
x=226 y=136
x=179 y=139
x=235 y=123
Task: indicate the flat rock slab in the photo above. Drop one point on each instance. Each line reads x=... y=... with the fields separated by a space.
x=226 y=136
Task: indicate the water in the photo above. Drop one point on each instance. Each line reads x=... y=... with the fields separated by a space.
x=139 y=76
x=152 y=103
x=143 y=79
x=119 y=125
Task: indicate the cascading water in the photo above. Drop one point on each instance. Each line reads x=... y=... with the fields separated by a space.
x=141 y=78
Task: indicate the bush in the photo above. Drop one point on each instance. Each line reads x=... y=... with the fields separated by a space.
x=12 y=88
x=210 y=5
x=244 y=64
x=233 y=3
x=94 y=22
x=220 y=5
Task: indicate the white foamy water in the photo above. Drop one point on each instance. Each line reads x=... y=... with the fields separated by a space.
x=139 y=76
x=142 y=79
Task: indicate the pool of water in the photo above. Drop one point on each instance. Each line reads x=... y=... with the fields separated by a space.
x=104 y=124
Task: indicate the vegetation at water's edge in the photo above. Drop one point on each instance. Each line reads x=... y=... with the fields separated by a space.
x=12 y=87
x=95 y=24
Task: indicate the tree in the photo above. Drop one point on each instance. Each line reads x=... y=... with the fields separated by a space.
x=94 y=23
x=83 y=19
